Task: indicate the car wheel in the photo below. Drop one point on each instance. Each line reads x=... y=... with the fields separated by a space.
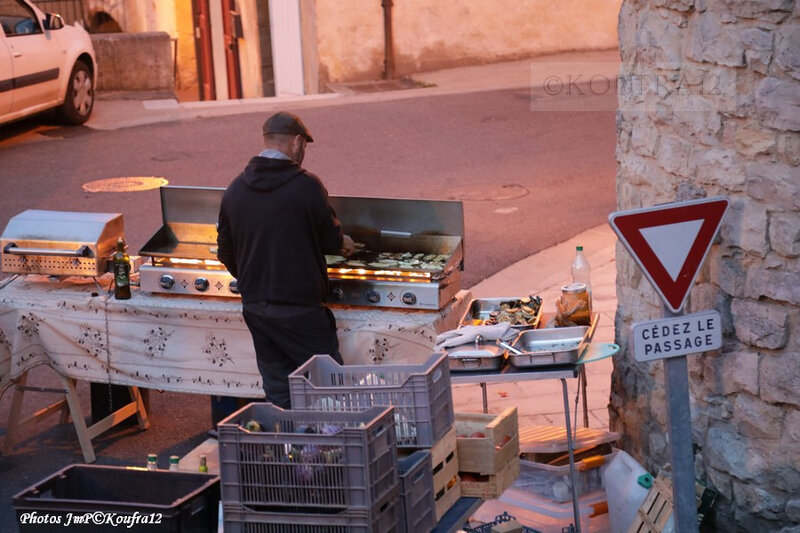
x=79 y=99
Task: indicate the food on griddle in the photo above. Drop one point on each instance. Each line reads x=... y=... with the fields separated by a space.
x=364 y=257
x=522 y=312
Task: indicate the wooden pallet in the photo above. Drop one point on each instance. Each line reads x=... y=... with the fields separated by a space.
x=656 y=509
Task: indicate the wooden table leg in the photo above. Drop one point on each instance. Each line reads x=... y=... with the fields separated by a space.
x=14 y=422
x=78 y=421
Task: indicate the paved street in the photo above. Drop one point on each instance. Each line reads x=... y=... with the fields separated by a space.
x=528 y=179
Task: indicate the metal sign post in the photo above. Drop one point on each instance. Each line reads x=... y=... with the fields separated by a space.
x=670 y=242
x=679 y=429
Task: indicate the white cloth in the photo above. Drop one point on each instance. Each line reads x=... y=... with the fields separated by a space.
x=468 y=334
x=179 y=343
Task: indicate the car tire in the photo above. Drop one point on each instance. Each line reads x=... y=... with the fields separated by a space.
x=79 y=98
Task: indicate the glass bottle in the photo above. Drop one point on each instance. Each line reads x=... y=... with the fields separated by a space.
x=173 y=462
x=122 y=272
x=203 y=465
x=152 y=463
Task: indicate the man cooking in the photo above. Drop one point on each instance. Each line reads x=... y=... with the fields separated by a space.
x=275 y=227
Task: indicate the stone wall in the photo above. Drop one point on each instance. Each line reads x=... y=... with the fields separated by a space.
x=710 y=105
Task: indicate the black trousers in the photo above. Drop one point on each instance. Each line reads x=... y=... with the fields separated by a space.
x=285 y=337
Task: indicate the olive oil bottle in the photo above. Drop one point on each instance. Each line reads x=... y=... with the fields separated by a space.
x=122 y=272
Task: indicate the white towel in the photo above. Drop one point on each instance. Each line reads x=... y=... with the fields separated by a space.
x=468 y=334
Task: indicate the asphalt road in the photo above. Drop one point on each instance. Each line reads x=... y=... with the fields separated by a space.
x=528 y=180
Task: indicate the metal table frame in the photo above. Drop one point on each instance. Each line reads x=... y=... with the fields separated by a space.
x=560 y=372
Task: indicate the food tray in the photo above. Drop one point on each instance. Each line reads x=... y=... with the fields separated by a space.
x=480 y=309
x=551 y=346
x=478 y=357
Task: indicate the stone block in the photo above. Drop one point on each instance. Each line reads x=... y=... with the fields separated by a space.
x=793 y=511
x=778 y=284
x=658 y=40
x=728 y=451
x=760 y=500
x=789 y=148
x=674 y=155
x=760 y=324
x=710 y=40
x=787 y=48
x=775 y=184
x=134 y=61
x=677 y=5
x=757 y=48
x=699 y=117
x=757 y=419
x=751 y=140
x=644 y=139
x=784 y=233
x=778 y=104
x=739 y=372
x=745 y=226
x=791 y=426
x=773 y=11
x=779 y=375
x=718 y=166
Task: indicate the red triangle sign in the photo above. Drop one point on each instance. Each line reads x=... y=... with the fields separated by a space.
x=670 y=242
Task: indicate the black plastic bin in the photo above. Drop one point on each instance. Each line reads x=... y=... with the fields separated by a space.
x=113 y=499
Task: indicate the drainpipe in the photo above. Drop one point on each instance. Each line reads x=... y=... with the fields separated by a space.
x=388 y=46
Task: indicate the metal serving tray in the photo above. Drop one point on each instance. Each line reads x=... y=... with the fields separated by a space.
x=481 y=308
x=550 y=346
x=480 y=357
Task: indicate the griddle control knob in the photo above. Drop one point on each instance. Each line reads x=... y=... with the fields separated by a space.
x=201 y=284
x=409 y=298
x=166 y=281
x=337 y=293
x=233 y=286
x=373 y=296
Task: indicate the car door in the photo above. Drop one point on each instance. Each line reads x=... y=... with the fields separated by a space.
x=6 y=76
x=35 y=56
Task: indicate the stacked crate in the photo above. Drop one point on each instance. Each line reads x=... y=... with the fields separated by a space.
x=488 y=452
x=309 y=472
x=422 y=401
x=416 y=491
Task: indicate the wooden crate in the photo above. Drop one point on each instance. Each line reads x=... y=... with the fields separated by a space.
x=447 y=497
x=492 y=486
x=490 y=454
x=656 y=509
x=444 y=461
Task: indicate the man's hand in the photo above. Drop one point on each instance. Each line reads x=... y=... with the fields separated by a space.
x=348 y=246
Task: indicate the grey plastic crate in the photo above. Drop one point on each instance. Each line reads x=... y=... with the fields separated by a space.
x=383 y=517
x=420 y=394
x=416 y=492
x=308 y=460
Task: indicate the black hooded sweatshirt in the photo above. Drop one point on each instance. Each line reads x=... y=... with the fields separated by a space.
x=275 y=227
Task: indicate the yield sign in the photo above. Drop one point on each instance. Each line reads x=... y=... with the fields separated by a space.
x=670 y=242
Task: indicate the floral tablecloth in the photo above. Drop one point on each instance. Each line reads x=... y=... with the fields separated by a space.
x=178 y=343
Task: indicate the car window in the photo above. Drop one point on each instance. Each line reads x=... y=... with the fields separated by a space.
x=17 y=19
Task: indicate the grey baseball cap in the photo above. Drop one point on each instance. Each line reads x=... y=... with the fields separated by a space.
x=287 y=123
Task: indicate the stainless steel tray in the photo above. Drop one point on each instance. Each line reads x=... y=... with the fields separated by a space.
x=480 y=309
x=480 y=357
x=550 y=346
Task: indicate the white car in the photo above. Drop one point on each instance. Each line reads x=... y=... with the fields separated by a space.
x=44 y=64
